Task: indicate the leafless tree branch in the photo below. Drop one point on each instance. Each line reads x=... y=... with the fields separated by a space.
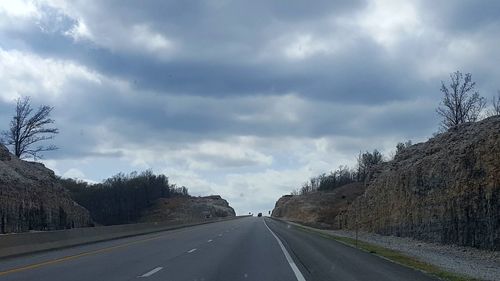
x=461 y=103
x=29 y=127
x=495 y=102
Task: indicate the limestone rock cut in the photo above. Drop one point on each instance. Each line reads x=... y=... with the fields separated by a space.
x=187 y=209
x=444 y=190
x=31 y=198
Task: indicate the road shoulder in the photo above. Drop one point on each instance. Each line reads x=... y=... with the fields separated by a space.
x=386 y=253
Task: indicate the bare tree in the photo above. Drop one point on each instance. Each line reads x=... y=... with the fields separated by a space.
x=402 y=146
x=495 y=102
x=366 y=163
x=28 y=128
x=461 y=102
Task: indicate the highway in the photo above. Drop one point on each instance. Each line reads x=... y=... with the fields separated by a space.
x=249 y=248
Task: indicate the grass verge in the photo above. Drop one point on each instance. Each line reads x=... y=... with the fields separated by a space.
x=393 y=255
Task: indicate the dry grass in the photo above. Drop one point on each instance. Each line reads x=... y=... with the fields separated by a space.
x=394 y=256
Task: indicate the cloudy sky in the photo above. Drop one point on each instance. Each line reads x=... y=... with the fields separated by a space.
x=246 y=99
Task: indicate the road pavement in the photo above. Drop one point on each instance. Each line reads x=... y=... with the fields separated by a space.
x=249 y=248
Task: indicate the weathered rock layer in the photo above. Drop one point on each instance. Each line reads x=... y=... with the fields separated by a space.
x=31 y=198
x=185 y=209
x=319 y=209
x=445 y=190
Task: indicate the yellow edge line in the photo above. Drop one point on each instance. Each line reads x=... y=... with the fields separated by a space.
x=67 y=258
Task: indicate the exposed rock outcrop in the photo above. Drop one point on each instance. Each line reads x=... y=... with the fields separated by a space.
x=31 y=198
x=186 y=209
x=444 y=190
x=319 y=209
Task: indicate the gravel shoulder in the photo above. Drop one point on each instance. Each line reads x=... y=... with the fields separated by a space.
x=480 y=264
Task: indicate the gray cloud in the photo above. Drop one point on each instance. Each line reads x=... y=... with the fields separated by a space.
x=225 y=94
x=462 y=16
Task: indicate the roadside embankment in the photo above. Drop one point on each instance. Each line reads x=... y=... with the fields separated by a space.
x=32 y=199
x=318 y=209
x=445 y=190
x=477 y=263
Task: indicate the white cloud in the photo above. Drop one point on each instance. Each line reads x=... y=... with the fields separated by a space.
x=388 y=21
x=73 y=173
x=229 y=153
x=18 y=14
x=197 y=185
x=301 y=45
x=124 y=37
x=459 y=53
x=234 y=152
x=112 y=33
x=136 y=38
x=26 y=74
x=304 y=46
x=143 y=36
x=18 y=9
x=80 y=31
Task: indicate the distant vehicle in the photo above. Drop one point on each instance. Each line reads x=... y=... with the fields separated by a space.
x=259 y=214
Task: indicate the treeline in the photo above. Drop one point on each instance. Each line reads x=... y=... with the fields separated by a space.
x=364 y=170
x=121 y=198
x=325 y=182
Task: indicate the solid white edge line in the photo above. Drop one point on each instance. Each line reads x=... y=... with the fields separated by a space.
x=292 y=264
x=192 y=250
x=147 y=274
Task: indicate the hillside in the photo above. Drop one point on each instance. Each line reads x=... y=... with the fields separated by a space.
x=32 y=199
x=318 y=209
x=142 y=197
x=187 y=209
x=445 y=190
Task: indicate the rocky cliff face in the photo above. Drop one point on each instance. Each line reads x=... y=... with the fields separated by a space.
x=185 y=209
x=31 y=198
x=319 y=209
x=444 y=190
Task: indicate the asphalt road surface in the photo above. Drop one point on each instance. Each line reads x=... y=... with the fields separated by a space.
x=249 y=248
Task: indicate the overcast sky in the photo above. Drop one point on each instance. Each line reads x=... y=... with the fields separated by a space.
x=246 y=99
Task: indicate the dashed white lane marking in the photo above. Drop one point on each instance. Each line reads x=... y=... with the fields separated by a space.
x=192 y=250
x=209 y=240
x=147 y=274
x=292 y=264
x=220 y=235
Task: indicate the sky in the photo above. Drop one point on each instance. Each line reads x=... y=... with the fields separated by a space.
x=246 y=99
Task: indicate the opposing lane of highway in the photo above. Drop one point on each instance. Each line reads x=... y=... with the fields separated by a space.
x=241 y=249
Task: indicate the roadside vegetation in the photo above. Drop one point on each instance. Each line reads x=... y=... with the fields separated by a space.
x=122 y=198
x=461 y=103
